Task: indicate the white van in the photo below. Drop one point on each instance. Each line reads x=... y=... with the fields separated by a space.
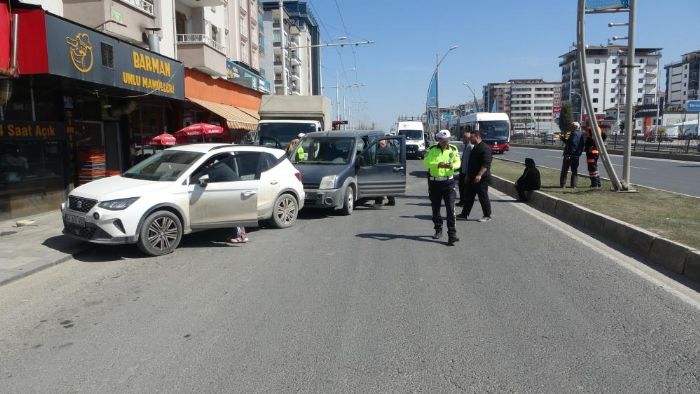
x=415 y=138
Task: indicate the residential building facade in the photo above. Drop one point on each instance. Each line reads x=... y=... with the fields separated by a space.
x=683 y=80
x=607 y=77
x=529 y=103
x=291 y=36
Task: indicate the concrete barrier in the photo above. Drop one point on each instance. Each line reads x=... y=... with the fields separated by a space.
x=676 y=257
x=671 y=255
x=692 y=265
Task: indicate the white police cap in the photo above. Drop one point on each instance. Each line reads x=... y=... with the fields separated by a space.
x=443 y=135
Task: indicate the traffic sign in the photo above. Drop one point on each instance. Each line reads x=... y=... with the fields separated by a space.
x=693 y=106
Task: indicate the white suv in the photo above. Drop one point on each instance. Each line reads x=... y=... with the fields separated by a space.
x=185 y=189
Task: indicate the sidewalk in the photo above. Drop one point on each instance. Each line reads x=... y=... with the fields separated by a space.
x=33 y=247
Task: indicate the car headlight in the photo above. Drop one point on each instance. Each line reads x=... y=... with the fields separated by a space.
x=328 y=182
x=119 y=204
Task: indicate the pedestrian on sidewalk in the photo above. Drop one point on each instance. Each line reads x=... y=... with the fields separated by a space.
x=573 y=148
x=468 y=146
x=592 y=155
x=442 y=160
x=240 y=236
x=478 y=178
x=529 y=181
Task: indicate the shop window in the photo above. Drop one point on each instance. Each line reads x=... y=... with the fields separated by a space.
x=107 y=55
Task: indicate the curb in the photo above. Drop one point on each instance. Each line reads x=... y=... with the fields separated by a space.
x=651 y=155
x=674 y=256
x=39 y=267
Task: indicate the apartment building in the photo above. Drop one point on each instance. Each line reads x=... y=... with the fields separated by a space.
x=683 y=80
x=291 y=35
x=607 y=77
x=527 y=102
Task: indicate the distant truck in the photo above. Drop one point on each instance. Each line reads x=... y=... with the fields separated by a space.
x=283 y=118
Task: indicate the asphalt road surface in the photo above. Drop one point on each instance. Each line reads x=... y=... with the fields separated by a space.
x=366 y=303
x=672 y=175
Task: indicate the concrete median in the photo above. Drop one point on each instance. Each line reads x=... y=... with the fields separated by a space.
x=672 y=255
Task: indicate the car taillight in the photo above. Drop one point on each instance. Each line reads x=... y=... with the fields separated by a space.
x=298 y=175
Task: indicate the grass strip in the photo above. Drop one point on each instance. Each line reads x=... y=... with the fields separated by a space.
x=669 y=215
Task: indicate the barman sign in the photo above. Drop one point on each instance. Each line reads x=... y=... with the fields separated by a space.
x=75 y=51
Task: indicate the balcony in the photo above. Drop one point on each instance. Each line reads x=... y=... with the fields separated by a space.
x=201 y=52
x=202 y=3
x=141 y=5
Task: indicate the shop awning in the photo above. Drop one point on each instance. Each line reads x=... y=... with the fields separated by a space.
x=236 y=118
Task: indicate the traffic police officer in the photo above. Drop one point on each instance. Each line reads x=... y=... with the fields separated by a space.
x=442 y=160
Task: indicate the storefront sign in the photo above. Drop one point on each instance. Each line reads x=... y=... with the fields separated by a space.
x=22 y=130
x=78 y=52
x=245 y=77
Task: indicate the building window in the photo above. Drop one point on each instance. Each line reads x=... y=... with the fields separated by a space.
x=596 y=90
x=595 y=100
x=641 y=80
x=107 y=55
x=614 y=61
x=612 y=90
x=641 y=71
x=641 y=61
x=595 y=109
x=596 y=61
x=596 y=71
x=614 y=71
x=596 y=81
x=640 y=90
x=612 y=100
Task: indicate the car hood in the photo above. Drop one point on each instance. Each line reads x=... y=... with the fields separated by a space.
x=312 y=173
x=119 y=187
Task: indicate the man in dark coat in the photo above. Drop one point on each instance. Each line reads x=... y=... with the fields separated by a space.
x=529 y=181
x=573 y=149
x=478 y=178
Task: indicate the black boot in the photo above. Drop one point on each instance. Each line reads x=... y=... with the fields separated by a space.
x=438 y=234
x=452 y=237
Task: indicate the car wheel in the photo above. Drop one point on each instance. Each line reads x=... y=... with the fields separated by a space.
x=348 y=202
x=160 y=234
x=284 y=211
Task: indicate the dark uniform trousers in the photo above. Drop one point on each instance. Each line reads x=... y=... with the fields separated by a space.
x=440 y=191
x=569 y=162
x=593 y=171
x=480 y=189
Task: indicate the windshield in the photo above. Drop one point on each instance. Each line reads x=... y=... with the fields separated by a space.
x=324 y=150
x=412 y=134
x=494 y=130
x=278 y=135
x=164 y=166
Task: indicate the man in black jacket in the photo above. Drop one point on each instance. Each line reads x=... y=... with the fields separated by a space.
x=573 y=149
x=529 y=181
x=478 y=178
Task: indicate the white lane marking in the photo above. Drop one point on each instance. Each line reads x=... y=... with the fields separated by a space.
x=638 y=168
x=647 y=273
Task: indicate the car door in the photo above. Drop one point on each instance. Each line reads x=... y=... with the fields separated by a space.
x=271 y=180
x=382 y=169
x=230 y=195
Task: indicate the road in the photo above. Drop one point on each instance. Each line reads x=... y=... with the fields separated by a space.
x=672 y=175
x=366 y=303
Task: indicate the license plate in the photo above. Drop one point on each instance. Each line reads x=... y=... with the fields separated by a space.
x=76 y=220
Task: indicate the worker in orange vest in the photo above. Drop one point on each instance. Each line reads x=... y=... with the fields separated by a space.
x=592 y=155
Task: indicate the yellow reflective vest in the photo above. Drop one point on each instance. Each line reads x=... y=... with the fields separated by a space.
x=436 y=156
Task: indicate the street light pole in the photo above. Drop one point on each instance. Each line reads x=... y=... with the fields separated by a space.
x=437 y=85
x=629 y=116
x=476 y=104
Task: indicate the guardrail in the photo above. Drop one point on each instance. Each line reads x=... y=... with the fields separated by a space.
x=617 y=142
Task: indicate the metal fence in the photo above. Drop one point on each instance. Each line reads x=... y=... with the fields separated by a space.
x=617 y=142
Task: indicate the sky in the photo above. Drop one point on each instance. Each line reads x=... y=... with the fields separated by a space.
x=497 y=40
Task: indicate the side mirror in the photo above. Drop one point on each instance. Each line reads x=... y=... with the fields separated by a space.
x=203 y=180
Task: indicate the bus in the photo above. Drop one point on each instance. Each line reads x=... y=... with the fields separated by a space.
x=493 y=126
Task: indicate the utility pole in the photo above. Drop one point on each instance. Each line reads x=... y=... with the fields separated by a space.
x=629 y=116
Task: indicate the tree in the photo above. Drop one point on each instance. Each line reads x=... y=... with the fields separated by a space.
x=566 y=117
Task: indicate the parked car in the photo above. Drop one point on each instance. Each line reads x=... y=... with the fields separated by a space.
x=341 y=167
x=185 y=189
